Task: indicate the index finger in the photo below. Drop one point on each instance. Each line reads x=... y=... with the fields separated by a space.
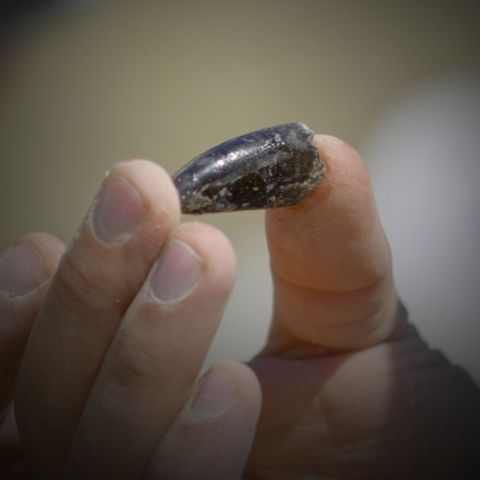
x=330 y=260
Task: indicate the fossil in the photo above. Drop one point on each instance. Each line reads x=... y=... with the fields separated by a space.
x=269 y=168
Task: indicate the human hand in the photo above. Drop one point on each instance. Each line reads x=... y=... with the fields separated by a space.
x=350 y=390
x=346 y=383
x=106 y=383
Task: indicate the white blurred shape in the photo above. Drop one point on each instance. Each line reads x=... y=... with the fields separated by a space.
x=424 y=157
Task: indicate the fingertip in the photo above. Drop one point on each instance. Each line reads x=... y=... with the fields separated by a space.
x=216 y=251
x=26 y=268
x=227 y=388
x=218 y=424
x=247 y=383
x=344 y=164
x=28 y=263
x=345 y=176
x=324 y=141
x=49 y=247
x=154 y=185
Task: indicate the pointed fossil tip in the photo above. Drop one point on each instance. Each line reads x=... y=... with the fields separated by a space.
x=268 y=168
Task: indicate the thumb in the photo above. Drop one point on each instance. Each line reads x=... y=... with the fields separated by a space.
x=331 y=262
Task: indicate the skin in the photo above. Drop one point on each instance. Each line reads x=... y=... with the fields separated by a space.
x=344 y=389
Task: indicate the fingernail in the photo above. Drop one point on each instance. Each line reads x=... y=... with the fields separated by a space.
x=177 y=272
x=216 y=394
x=21 y=270
x=119 y=210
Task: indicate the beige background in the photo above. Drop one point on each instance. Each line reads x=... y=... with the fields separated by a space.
x=84 y=87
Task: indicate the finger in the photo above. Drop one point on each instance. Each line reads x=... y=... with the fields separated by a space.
x=331 y=261
x=25 y=271
x=99 y=275
x=155 y=356
x=213 y=435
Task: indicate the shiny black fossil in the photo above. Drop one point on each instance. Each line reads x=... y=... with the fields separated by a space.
x=273 y=167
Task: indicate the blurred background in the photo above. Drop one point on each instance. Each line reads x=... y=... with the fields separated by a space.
x=84 y=84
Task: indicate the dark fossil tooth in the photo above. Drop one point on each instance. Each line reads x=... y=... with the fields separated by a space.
x=273 y=167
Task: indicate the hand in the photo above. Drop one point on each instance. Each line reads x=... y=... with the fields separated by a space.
x=350 y=390
x=106 y=387
x=346 y=382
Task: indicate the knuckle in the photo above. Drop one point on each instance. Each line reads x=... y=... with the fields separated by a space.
x=80 y=290
x=132 y=365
